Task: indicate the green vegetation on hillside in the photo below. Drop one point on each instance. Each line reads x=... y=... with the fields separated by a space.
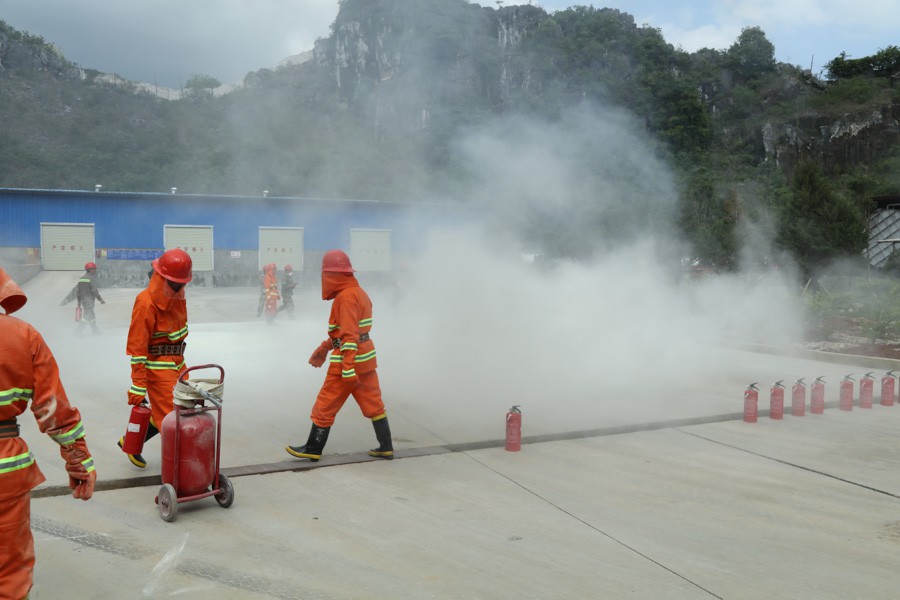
x=741 y=132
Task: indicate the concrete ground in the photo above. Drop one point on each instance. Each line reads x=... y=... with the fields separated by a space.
x=660 y=491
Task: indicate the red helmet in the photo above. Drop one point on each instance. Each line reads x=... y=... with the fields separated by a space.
x=89 y=265
x=288 y=268
x=336 y=261
x=174 y=265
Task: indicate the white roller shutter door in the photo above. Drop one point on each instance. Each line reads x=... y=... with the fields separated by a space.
x=282 y=246
x=66 y=246
x=370 y=249
x=196 y=240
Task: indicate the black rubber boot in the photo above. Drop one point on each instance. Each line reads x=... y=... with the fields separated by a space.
x=137 y=459
x=314 y=445
x=385 y=448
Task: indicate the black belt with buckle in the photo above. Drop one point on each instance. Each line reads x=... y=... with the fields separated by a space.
x=9 y=429
x=336 y=343
x=167 y=349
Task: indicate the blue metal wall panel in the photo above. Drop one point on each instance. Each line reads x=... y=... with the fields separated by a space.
x=137 y=220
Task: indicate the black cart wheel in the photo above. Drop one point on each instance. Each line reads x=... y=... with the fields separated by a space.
x=225 y=497
x=167 y=502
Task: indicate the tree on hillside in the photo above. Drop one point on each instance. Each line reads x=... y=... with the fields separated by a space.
x=819 y=225
x=752 y=56
x=200 y=86
x=884 y=63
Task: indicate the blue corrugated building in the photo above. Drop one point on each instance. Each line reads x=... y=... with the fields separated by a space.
x=230 y=237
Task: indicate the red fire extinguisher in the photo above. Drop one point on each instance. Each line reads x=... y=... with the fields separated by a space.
x=776 y=401
x=887 y=389
x=798 y=398
x=751 y=401
x=817 y=397
x=136 y=432
x=77 y=313
x=846 y=393
x=514 y=429
x=196 y=452
x=866 y=383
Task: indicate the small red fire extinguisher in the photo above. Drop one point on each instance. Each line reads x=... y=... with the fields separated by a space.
x=136 y=432
x=866 y=383
x=776 y=401
x=77 y=313
x=887 y=389
x=845 y=400
x=817 y=397
x=751 y=400
x=798 y=398
x=514 y=429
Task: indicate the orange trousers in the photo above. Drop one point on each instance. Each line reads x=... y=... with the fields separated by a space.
x=335 y=392
x=160 y=389
x=16 y=547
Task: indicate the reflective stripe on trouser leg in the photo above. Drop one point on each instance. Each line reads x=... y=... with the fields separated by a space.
x=16 y=547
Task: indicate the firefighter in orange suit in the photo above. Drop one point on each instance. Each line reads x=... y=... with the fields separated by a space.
x=156 y=339
x=351 y=370
x=28 y=373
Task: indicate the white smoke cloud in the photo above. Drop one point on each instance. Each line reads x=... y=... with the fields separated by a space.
x=481 y=328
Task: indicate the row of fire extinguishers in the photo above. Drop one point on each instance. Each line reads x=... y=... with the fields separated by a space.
x=817 y=396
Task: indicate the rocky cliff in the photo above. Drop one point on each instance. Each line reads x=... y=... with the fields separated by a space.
x=836 y=141
x=402 y=62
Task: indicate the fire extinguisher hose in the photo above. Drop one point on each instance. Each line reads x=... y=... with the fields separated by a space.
x=191 y=392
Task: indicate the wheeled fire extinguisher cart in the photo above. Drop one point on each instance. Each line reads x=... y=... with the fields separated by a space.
x=191 y=445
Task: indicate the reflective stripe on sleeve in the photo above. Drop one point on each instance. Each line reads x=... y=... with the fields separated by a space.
x=69 y=437
x=11 y=395
x=88 y=464
x=348 y=373
x=138 y=360
x=365 y=322
x=137 y=391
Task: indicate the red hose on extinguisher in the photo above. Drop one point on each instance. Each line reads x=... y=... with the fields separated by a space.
x=798 y=398
x=866 y=383
x=845 y=401
x=817 y=396
x=887 y=389
x=751 y=403
x=514 y=429
x=776 y=400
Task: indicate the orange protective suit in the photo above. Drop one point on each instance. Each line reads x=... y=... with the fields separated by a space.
x=159 y=318
x=29 y=374
x=351 y=369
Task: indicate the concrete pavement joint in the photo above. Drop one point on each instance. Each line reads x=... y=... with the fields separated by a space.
x=790 y=464
x=351 y=459
x=598 y=530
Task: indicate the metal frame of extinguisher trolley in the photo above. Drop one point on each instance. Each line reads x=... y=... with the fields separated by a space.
x=168 y=499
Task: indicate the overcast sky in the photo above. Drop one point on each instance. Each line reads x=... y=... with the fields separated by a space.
x=166 y=41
